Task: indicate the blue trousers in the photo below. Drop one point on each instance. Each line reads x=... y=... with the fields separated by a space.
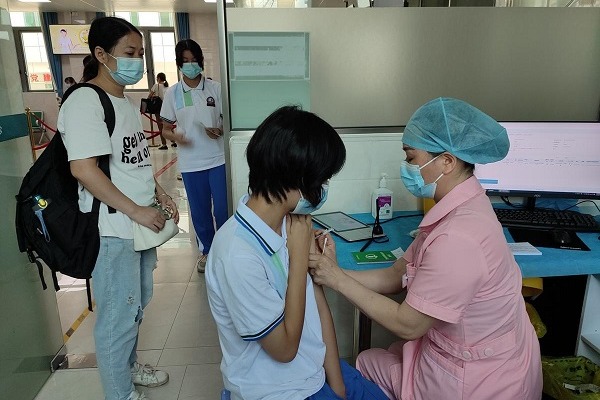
x=357 y=387
x=207 y=195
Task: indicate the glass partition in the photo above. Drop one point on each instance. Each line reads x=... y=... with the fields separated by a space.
x=31 y=333
x=374 y=67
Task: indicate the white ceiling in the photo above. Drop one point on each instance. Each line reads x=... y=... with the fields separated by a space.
x=191 y=6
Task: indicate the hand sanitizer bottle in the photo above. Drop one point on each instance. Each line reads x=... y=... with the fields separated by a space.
x=381 y=199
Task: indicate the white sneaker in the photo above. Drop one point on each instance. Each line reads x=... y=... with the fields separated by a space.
x=201 y=263
x=145 y=375
x=135 y=395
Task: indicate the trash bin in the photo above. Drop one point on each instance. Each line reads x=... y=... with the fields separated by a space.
x=580 y=375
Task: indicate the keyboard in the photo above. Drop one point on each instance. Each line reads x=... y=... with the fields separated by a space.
x=547 y=219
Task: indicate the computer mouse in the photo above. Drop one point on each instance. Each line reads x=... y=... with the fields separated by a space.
x=562 y=237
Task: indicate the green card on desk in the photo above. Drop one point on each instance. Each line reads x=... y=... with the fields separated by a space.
x=373 y=257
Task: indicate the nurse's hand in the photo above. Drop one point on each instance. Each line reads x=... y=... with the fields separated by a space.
x=325 y=244
x=325 y=271
x=299 y=238
x=214 y=133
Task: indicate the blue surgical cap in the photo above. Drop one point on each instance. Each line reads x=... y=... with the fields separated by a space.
x=451 y=125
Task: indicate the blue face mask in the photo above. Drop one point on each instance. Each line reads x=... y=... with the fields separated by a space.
x=129 y=70
x=413 y=180
x=191 y=69
x=305 y=207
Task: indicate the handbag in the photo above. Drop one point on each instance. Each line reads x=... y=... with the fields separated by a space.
x=151 y=105
x=145 y=238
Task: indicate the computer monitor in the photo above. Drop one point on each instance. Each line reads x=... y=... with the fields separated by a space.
x=546 y=159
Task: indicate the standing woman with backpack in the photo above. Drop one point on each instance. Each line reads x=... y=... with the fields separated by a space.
x=122 y=277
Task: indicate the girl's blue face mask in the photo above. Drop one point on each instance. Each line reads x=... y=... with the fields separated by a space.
x=191 y=69
x=305 y=207
x=413 y=180
x=129 y=70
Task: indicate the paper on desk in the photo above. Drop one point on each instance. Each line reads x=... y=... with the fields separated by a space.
x=398 y=252
x=524 y=249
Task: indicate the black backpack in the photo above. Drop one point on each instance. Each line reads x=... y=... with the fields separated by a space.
x=48 y=221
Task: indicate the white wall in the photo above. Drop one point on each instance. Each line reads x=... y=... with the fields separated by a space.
x=367 y=156
x=204 y=30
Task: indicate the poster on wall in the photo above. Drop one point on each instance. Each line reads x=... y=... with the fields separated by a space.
x=267 y=70
x=69 y=39
x=269 y=55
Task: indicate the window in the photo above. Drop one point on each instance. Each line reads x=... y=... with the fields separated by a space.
x=163 y=55
x=33 y=59
x=36 y=75
x=159 y=45
x=29 y=19
x=164 y=19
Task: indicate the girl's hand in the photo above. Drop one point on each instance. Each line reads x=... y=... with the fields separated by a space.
x=169 y=204
x=149 y=217
x=214 y=133
x=299 y=235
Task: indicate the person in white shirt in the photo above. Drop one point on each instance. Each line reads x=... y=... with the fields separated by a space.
x=194 y=105
x=122 y=277
x=158 y=90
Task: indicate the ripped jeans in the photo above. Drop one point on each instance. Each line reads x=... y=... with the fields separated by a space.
x=122 y=288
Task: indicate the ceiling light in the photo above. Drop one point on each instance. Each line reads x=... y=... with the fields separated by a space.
x=34 y=1
x=214 y=1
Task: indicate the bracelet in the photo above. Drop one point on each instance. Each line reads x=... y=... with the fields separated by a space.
x=164 y=194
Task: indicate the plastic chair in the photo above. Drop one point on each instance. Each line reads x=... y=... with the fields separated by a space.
x=225 y=394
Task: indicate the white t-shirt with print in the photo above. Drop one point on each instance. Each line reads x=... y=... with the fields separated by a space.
x=193 y=110
x=84 y=132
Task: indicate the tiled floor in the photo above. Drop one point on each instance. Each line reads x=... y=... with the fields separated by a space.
x=178 y=333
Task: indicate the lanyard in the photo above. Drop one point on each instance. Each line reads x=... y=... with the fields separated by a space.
x=277 y=261
x=281 y=283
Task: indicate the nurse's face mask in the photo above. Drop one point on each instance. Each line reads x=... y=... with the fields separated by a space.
x=413 y=180
x=305 y=207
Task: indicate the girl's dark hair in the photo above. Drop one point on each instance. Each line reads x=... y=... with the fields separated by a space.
x=105 y=32
x=162 y=77
x=293 y=149
x=188 y=44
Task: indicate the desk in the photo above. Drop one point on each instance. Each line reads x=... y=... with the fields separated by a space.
x=552 y=262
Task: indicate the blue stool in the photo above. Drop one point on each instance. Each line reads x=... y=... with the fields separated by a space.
x=225 y=394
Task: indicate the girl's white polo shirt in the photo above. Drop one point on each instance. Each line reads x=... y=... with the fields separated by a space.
x=193 y=110
x=246 y=293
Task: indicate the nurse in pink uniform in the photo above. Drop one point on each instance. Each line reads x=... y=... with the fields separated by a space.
x=465 y=333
